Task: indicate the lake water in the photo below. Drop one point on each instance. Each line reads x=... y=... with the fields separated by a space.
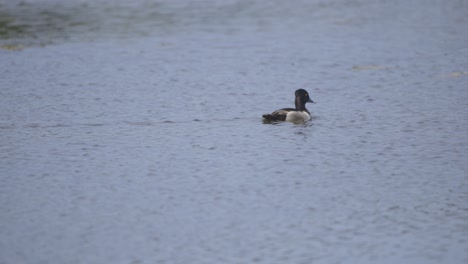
x=132 y=132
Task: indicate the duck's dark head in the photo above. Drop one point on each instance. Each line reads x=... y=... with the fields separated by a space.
x=302 y=97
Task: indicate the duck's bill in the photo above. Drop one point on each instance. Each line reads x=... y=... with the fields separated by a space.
x=310 y=101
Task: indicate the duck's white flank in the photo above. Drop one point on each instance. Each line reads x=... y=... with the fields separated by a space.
x=297 y=116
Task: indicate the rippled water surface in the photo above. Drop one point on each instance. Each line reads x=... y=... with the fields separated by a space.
x=132 y=132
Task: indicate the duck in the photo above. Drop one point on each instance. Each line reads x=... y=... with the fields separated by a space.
x=294 y=115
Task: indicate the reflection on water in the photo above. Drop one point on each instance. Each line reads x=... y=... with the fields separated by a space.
x=8 y=29
x=44 y=22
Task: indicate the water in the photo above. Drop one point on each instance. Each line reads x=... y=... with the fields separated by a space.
x=132 y=132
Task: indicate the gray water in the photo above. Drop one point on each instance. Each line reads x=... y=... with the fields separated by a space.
x=132 y=132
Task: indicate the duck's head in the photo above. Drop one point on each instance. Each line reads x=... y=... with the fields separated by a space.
x=302 y=97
